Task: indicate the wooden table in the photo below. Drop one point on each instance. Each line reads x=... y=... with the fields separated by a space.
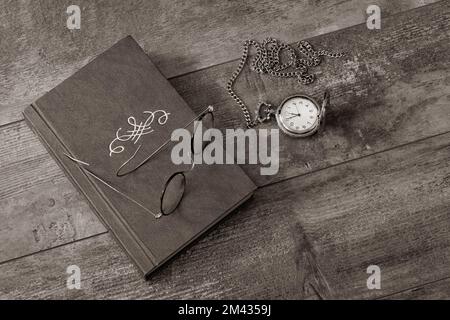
x=373 y=189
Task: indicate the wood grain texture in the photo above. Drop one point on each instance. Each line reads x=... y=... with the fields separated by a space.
x=320 y=231
x=37 y=51
x=108 y=274
x=40 y=208
x=378 y=105
x=390 y=209
x=24 y=162
x=51 y=215
x=392 y=88
x=436 y=290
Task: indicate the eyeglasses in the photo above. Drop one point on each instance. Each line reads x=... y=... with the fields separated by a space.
x=175 y=186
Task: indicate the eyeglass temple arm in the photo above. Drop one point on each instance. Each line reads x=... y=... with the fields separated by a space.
x=88 y=171
x=121 y=174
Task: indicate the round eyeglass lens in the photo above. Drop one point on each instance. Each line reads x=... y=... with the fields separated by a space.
x=173 y=193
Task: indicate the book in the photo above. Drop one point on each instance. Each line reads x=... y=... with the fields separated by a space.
x=100 y=115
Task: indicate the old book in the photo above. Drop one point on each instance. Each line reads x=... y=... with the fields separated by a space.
x=113 y=96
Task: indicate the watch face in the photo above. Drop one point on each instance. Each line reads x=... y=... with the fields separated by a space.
x=298 y=115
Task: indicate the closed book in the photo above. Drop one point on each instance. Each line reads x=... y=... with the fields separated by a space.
x=103 y=115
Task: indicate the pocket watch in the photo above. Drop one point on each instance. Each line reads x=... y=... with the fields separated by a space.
x=298 y=115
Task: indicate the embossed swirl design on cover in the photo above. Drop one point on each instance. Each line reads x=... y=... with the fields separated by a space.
x=100 y=115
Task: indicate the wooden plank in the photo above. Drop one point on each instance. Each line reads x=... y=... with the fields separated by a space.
x=24 y=162
x=392 y=88
x=317 y=231
x=437 y=290
x=390 y=209
x=40 y=208
x=37 y=51
x=108 y=274
x=385 y=112
x=50 y=215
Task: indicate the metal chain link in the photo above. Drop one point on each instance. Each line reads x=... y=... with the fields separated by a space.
x=267 y=61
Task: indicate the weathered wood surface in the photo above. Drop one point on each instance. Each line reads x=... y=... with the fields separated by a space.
x=37 y=51
x=436 y=290
x=392 y=88
x=39 y=207
x=51 y=215
x=389 y=209
x=379 y=103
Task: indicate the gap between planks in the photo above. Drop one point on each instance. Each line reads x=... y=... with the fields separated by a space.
x=424 y=285
x=257 y=211
x=386 y=142
x=218 y=58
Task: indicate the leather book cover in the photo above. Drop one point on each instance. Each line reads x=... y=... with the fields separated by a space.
x=100 y=115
